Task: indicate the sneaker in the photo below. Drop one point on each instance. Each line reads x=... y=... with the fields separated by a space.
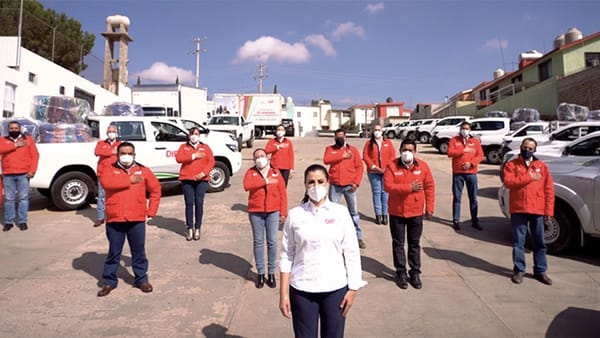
x=189 y=235
x=197 y=234
x=7 y=227
x=23 y=226
x=361 y=244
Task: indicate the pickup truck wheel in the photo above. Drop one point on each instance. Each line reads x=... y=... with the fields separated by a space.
x=391 y=134
x=44 y=192
x=250 y=142
x=240 y=142
x=493 y=155
x=443 y=147
x=424 y=138
x=411 y=136
x=219 y=177
x=558 y=232
x=72 y=190
x=259 y=133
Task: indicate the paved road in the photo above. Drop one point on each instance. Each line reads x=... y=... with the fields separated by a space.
x=50 y=274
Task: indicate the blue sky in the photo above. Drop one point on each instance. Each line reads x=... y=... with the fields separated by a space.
x=350 y=52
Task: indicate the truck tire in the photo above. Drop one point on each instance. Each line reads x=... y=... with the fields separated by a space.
x=72 y=190
x=424 y=138
x=391 y=134
x=559 y=232
x=411 y=136
x=240 y=142
x=219 y=177
x=259 y=133
x=250 y=142
x=443 y=146
x=492 y=154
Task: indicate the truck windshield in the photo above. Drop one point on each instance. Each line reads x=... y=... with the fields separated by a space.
x=215 y=120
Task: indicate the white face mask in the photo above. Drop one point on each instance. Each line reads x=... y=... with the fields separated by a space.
x=464 y=133
x=261 y=162
x=126 y=160
x=377 y=133
x=194 y=138
x=407 y=156
x=111 y=135
x=280 y=133
x=317 y=193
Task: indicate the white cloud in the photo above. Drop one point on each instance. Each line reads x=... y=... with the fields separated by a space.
x=161 y=72
x=374 y=8
x=320 y=41
x=495 y=43
x=268 y=48
x=348 y=29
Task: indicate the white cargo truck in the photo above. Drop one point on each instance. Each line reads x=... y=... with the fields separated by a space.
x=264 y=111
x=172 y=100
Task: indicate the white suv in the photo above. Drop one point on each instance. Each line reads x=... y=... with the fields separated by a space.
x=412 y=132
x=447 y=122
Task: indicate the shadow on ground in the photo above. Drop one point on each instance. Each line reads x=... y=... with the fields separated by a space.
x=92 y=263
x=575 y=322
x=228 y=262
x=491 y=192
x=377 y=269
x=169 y=223
x=217 y=331
x=467 y=261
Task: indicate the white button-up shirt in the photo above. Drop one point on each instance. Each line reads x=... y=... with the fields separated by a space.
x=320 y=248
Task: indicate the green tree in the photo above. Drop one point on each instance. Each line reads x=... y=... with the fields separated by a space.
x=45 y=31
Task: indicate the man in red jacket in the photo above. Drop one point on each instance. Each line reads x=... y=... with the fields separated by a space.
x=126 y=183
x=19 y=163
x=106 y=150
x=345 y=174
x=412 y=193
x=531 y=203
x=466 y=153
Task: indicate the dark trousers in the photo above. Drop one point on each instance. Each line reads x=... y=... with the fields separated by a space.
x=286 y=175
x=135 y=232
x=308 y=307
x=193 y=195
x=413 y=226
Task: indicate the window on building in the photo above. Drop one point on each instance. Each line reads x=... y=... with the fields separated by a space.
x=315 y=114
x=592 y=59
x=61 y=90
x=8 y=108
x=32 y=78
x=545 y=70
x=518 y=78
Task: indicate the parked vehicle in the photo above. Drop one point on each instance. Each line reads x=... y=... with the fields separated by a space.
x=402 y=132
x=262 y=110
x=445 y=123
x=242 y=130
x=423 y=132
x=67 y=171
x=392 y=132
x=412 y=132
x=535 y=130
x=577 y=197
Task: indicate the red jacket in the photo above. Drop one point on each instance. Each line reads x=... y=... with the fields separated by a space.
x=263 y=197
x=372 y=156
x=19 y=160
x=104 y=151
x=344 y=171
x=456 y=151
x=397 y=180
x=281 y=158
x=191 y=167
x=126 y=202
x=526 y=194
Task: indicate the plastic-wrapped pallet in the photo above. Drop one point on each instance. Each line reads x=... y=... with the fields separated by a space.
x=526 y=115
x=594 y=115
x=496 y=113
x=571 y=112
x=123 y=109
x=28 y=127
x=60 y=109
x=64 y=133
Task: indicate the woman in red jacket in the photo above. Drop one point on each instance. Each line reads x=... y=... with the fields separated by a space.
x=282 y=153
x=197 y=161
x=267 y=208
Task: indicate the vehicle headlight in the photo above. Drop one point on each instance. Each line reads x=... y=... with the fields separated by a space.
x=232 y=147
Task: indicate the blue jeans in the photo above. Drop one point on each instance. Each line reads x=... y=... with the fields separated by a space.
x=308 y=307
x=16 y=187
x=193 y=195
x=380 y=197
x=135 y=232
x=101 y=199
x=458 y=181
x=519 y=224
x=261 y=221
x=335 y=193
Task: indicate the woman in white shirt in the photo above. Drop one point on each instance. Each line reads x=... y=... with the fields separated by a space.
x=320 y=261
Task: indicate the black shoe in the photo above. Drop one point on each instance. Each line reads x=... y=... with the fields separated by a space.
x=271 y=281
x=23 y=226
x=543 y=278
x=456 y=225
x=402 y=281
x=517 y=277
x=7 y=227
x=260 y=281
x=415 y=281
x=476 y=226
x=384 y=219
x=378 y=219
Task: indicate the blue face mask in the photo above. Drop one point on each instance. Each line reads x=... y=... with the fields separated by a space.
x=526 y=154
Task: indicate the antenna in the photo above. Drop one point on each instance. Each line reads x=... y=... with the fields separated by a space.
x=197 y=52
x=261 y=76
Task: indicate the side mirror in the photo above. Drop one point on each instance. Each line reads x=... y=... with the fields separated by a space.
x=566 y=151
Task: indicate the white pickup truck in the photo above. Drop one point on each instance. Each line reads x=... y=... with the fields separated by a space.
x=236 y=125
x=67 y=171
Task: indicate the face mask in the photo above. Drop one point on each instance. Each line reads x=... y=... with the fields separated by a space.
x=317 y=193
x=261 y=162
x=111 y=136
x=126 y=160
x=377 y=133
x=280 y=133
x=14 y=134
x=464 y=133
x=407 y=156
x=526 y=154
x=194 y=138
x=339 y=142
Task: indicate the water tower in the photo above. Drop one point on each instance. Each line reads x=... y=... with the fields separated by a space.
x=115 y=70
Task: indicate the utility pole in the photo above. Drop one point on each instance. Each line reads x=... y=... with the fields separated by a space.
x=197 y=52
x=261 y=76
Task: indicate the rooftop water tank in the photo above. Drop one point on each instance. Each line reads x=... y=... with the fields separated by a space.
x=498 y=73
x=573 y=34
x=530 y=55
x=559 y=41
